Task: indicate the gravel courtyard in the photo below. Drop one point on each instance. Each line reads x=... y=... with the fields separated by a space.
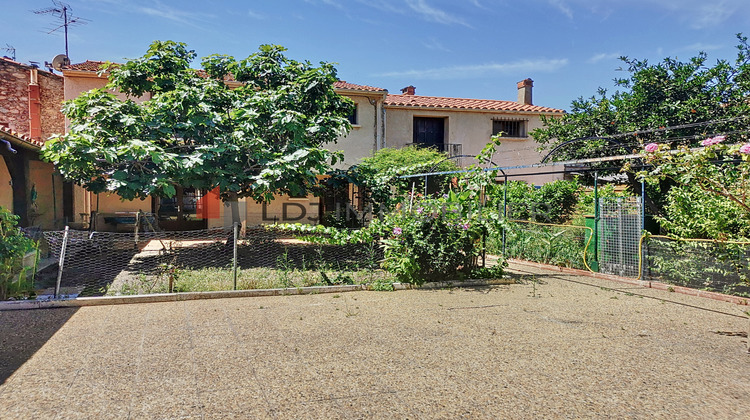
x=554 y=346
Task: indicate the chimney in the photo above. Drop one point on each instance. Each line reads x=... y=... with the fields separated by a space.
x=409 y=90
x=524 y=92
x=35 y=106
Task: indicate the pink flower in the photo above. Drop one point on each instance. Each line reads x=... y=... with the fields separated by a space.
x=745 y=150
x=713 y=140
x=652 y=147
x=397 y=231
x=465 y=226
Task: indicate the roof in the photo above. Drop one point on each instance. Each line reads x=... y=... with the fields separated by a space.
x=343 y=84
x=464 y=104
x=88 y=65
x=29 y=66
x=429 y=102
x=9 y=132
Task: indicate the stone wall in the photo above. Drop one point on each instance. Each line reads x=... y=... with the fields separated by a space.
x=14 y=96
x=14 y=99
x=52 y=91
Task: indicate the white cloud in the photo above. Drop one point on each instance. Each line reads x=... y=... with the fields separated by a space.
x=435 y=45
x=603 y=56
x=433 y=14
x=163 y=11
x=333 y=3
x=154 y=9
x=562 y=7
x=471 y=71
x=422 y=8
x=695 y=48
x=476 y=3
x=256 y=15
x=697 y=14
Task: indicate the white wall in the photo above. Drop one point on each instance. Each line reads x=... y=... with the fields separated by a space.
x=472 y=130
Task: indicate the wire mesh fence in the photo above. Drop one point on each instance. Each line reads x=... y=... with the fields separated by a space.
x=716 y=266
x=619 y=235
x=561 y=245
x=109 y=263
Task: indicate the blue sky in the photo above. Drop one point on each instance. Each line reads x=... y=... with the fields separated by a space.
x=459 y=48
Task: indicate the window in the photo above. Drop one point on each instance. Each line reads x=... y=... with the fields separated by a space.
x=353 y=115
x=509 y=128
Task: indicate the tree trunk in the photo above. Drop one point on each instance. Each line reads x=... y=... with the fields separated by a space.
x=234 y=206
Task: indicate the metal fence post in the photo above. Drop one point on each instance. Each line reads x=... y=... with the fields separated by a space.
x=236 y=229
x=505 y=211
x=137 y=225
x=596 y=218
x=643 y=229
x=61 y=262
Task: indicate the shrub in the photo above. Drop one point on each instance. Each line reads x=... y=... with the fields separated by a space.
x=691 y=212
x=436 y=239
x=424 y=239
x=13 y=246
x=553 y=202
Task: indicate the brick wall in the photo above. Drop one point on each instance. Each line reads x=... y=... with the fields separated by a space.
x=14 y=99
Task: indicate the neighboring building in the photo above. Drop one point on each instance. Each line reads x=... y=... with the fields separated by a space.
x=30 y=101
x=461 y=126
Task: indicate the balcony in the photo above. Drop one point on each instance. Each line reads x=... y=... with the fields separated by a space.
x=451 y=149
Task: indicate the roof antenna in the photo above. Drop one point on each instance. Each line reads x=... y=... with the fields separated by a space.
x=11 y=50
x=62 y=11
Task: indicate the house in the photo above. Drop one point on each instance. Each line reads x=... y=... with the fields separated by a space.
x=460 y=126
x=192 y=208
x=455 y=125
x=30 y=101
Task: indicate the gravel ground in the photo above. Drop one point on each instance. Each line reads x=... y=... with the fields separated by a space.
x=554 y=346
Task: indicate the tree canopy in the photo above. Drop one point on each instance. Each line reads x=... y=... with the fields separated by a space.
x=251 y=127
x=672 y=101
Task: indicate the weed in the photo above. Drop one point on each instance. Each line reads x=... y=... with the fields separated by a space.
x=382 y=285
x=284 y=267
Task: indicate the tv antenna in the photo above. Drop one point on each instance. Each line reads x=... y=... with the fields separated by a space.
x=11 y=50
x=62 y=11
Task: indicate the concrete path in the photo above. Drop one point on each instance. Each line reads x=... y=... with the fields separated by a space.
x=555 y=346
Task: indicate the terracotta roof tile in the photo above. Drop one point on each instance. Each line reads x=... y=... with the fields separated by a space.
x=88 y=65
x=343 y=84
x=4 y=129
x=463 y=103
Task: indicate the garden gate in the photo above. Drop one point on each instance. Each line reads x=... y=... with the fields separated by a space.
x=620 y=225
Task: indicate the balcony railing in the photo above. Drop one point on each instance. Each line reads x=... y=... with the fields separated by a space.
x=451 y=149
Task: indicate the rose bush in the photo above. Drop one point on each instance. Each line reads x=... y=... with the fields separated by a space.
x=711 y=195
x=436 y=239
